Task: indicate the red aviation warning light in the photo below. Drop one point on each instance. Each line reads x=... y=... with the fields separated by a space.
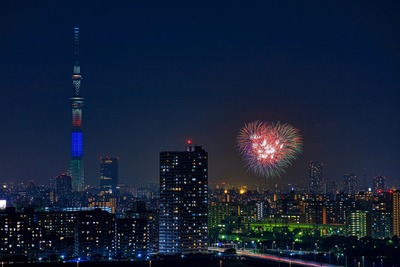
x=189 y=142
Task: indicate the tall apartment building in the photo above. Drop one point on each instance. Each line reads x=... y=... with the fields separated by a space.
x=183 y=209
x=358 y=223
x=381 y=215
x=315 y=178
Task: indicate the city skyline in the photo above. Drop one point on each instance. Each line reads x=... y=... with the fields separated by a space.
x=329 y=70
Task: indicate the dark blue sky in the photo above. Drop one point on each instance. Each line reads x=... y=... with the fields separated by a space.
x=155 y=74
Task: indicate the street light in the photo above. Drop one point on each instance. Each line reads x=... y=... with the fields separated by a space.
x=255 y=246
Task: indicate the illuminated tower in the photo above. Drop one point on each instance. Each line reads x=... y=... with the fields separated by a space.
x=108 y=174
x=76 y=163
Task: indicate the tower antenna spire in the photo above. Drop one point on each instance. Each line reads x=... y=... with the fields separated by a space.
x=76 y=51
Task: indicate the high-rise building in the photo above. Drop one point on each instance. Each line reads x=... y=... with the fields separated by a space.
x=260 y=210
x=63 y=189
x=95 y=234
x=315 y=178
x=183 y=226
x=330 y=188
x=350 y=184
x=315 y=212
x=108 y=174
x=14 y=238
x=60 y=230
x=132 y=237
x=358 y=223
x=381 y=215
x=378 y=184
x=76 y=162
x=63 y=185
x=137 y=232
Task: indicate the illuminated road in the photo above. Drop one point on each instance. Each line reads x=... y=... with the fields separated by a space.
x=268 y=257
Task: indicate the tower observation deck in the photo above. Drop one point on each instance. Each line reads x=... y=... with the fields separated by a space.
x=76 y=162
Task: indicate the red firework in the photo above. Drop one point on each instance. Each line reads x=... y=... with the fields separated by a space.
x=268 y=149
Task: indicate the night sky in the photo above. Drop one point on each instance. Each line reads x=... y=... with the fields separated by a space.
x=158 y=73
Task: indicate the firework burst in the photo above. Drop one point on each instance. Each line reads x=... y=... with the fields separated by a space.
x=269 y=148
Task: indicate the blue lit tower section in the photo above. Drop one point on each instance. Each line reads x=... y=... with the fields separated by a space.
x=76 y=164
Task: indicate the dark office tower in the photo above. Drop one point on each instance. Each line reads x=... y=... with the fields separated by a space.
x=350 y=184
x=108 y=174
x=76 y=163
x=378 y=184
x=63 y=190
x=315 y=178
x=330 y=188
x=63 y=184
x=183 y=206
